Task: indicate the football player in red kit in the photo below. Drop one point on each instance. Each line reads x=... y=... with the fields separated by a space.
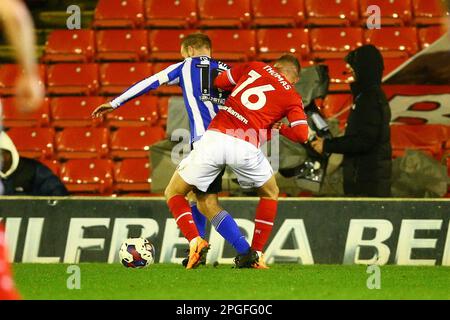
x=7 y=289
x=17 y=23
x=261 y=95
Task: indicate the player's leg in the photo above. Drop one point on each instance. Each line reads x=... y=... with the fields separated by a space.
x=254 y=171
x=208 y=205
x=7 y=289
x=266 y=212
x=208 y=201
x=199 y=219
x=223 y=222
x=199 y=169
x=175 y=194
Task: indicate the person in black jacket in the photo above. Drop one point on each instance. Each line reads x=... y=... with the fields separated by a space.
x=366 y=144
x=23 y=176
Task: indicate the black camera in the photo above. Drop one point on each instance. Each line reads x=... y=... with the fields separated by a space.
x=313 y=87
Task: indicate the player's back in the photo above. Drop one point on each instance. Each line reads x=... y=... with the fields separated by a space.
x=261 y=96
x=202 y=100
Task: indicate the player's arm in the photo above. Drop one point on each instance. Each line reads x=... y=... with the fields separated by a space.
x=297 y=130
x=227 y=80
x=369 y=118
x=20 y=33
x=170 y=75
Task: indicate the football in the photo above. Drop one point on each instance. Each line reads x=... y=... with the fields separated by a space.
x=137 y=253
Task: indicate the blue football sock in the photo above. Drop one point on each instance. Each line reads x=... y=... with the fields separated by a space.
x=229 y=230
x=199 y=220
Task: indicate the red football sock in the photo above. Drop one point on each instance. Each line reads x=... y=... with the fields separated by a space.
x=265 y=216
x=182 y=213
x=7 y=290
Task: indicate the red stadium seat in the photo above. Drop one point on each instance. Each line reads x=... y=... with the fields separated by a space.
x=132 y=175
x=12 y=117
x=116 y=77
x=134 y=142
x=88 y=175
x=393 y=41
x=224 y=13
x=70 y=46
x=334 y=103
x=393 y=12
x=122 y=45
x=166 y=89
x=73 y=78
x=428 y=138
x=275 y=42
x=79 y=143
x=33 y=142
x=170 y=14
x=233 y=45
x=429 y=35
x=429 y=12
x=119 y=14
x=288 y=13
x=142 y=111
x=74 y=111
x=332 y=12
x=166 y=44
x=331 y=43
x=9 y=75
x=163 y=110
x=53 y=165
x=339 y=80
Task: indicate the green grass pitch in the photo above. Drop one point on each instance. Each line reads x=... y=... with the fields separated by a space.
x=282 y=281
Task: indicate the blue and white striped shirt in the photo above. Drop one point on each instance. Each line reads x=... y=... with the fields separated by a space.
x=196 y=77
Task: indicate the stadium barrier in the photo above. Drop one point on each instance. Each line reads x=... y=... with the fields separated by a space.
x=307 y=231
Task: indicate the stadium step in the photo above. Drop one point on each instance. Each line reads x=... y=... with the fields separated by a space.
x=57 y=19
x=7 y=53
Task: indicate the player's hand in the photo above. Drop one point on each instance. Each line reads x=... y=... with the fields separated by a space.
x=317 y=145
x=102 y=110
x=29 y=93
x=277 y=125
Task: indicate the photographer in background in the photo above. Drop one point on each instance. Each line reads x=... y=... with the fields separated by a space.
x=23 y=176
x=366 y=144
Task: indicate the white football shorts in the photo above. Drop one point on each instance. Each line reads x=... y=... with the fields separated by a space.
x=214 y=151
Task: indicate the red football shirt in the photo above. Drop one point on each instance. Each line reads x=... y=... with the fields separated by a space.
x=260 y=97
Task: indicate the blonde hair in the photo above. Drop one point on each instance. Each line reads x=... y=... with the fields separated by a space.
x=197 y=41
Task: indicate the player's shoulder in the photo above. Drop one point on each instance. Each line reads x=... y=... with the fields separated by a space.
x=214 y=63
x=220 y=64
x=178 y=64
x=293 y=96
x=257 y=64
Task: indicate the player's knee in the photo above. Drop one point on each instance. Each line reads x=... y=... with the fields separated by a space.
x=270 y=193
x=208 y=205
x=203 y=209
x=275 y=192
x=169 y=192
